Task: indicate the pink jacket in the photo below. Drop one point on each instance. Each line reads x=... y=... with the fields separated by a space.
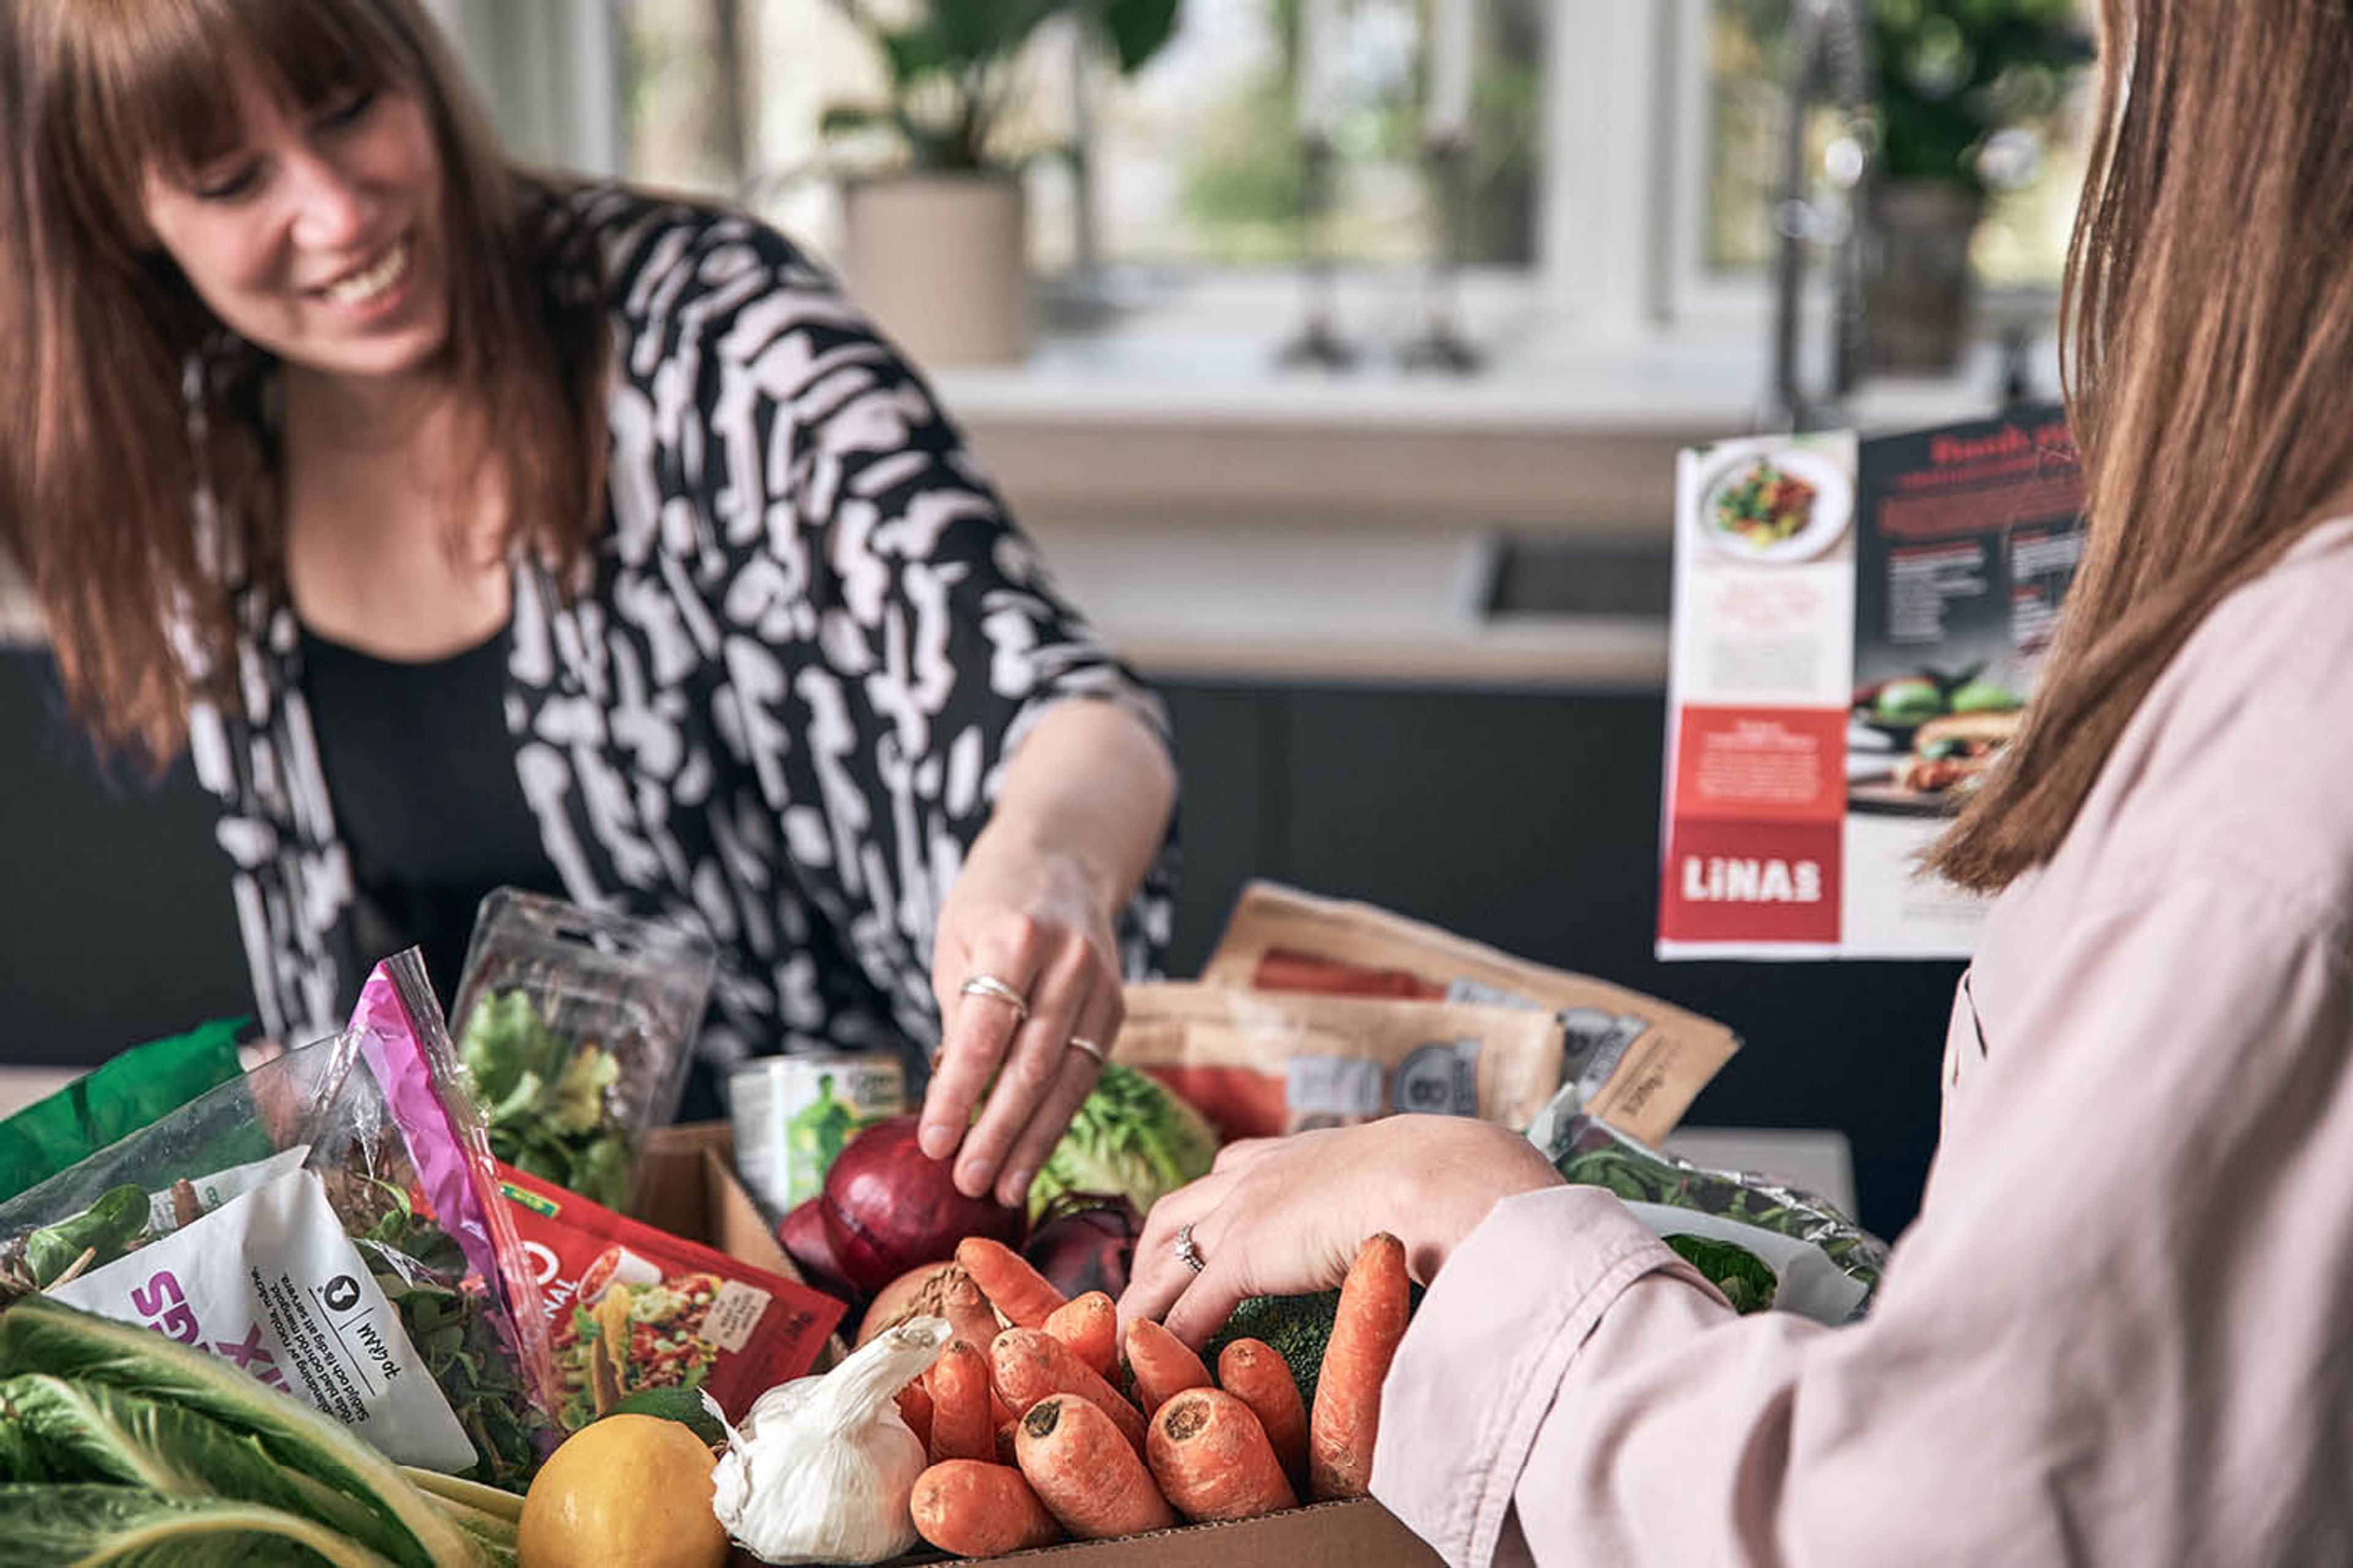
x=2121 y=1330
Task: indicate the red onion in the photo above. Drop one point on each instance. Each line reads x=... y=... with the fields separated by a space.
x=1085 y=1241
x=890 y=1208
x=801 y=1234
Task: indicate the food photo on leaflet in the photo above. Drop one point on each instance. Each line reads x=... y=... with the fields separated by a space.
x=405 y=470
x=2154 y=1025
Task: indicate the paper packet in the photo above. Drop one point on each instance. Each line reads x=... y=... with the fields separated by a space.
x=630 y=1307
x=1259 y=1064
x=1635 y=1061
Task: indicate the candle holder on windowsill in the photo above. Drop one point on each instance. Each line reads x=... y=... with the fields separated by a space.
x=1319 y=346
x=1441 y=346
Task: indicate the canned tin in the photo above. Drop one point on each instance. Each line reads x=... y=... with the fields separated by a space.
x=794 y=1115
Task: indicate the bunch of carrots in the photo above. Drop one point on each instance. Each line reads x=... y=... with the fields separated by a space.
x=1030 y=1440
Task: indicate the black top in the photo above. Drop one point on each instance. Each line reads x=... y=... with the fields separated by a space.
x=421 y=772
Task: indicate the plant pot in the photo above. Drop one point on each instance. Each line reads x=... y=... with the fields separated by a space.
x=941 y=262
x=1917 y=287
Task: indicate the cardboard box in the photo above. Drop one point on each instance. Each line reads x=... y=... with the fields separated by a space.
x=689 y=1186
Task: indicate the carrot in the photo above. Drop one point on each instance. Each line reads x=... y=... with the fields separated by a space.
x=1212 y=1459
x=1089 y=1324
x=958 y=1382
x=1365 y=1329
x=1085 y=1472
x=970 y=1317
x=1004 y=1277
x=1252 y=1372
x=1030 y=1364
x=915 y=1410
x=1165 y=1365
x=978 y=1509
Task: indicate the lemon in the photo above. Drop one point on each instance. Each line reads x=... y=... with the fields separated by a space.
x=628 y=1491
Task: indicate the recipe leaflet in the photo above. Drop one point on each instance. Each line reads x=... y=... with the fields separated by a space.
x=1857 y=627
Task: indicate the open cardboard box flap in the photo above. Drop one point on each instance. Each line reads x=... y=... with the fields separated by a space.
x=687 y=1185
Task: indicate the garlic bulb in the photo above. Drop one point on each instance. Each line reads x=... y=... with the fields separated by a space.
x=823 y=1468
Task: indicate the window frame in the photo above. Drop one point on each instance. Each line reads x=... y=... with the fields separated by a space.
x=1623 y=121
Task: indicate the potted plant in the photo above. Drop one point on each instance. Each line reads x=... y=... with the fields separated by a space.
x=1957 y=81
x=934 y=242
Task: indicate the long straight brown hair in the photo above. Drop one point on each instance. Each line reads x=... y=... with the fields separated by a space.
x=127 y=400
x=2209 y=328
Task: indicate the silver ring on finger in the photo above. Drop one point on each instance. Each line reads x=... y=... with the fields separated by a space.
x=990 y=987
x=1080 y=1043
x=1187 y=1253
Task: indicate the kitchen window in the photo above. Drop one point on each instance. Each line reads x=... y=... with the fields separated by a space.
x=1622 y=152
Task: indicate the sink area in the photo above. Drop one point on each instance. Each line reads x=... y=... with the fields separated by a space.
x=1547 y=575
x=1284 y=600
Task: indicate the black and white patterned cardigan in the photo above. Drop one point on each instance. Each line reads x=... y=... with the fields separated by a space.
x=781 y=709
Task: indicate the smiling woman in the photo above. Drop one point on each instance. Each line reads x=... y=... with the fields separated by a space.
x=316 y=235
x=472 y=528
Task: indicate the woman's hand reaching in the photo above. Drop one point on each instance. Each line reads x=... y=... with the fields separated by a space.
x=1026 y=962
x=1280 y=1217
x=1034 y=923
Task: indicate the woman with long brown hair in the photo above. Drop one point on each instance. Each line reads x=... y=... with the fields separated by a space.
x=2121 y=1328
x=469 y=528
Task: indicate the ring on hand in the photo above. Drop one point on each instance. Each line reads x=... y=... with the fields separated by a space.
x=1080 y=1043
x=1187 y=1252
x=989 y=986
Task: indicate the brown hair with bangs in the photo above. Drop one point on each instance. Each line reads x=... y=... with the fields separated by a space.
x=128 y=401
x=2209 y=327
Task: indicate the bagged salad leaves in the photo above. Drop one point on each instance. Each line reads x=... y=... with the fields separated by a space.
x=113 y=1101
x=574 y=1030
x=1763 y=1243
x=328 y=1223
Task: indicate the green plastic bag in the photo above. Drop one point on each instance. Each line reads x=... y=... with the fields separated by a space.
x=136 y=1088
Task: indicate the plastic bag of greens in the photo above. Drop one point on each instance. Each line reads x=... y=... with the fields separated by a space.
x=1763 y=1243
x=328 y=1223
x=114 y=1101
x=576 y=1028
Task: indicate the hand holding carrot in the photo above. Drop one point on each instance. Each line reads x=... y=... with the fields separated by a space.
x=1284 y=1216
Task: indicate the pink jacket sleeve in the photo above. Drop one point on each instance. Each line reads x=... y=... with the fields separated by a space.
x=2118 y=1332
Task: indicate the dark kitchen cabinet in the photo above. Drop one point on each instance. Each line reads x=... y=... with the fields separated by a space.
x=1529 y=819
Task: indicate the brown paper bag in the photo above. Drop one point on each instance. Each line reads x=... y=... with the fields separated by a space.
x=1262 y=1063
x=1637 y=1061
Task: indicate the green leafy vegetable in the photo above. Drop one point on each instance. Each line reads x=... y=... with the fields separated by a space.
x=544 y=1099
x=1745 y=1279
x=91 y=1431
x=86 y=1526
x=673 y=1403
x=1131 y=1137
x=38 y=1335
x=441 y=1489
x=109 y=1226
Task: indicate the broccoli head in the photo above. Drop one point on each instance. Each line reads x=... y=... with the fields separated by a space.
x=1296 y=1327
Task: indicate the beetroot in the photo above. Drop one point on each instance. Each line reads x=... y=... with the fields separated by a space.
x=889 y=1207
x=1085 y=1241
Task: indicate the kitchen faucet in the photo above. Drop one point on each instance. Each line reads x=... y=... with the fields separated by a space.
x=1829 y=58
